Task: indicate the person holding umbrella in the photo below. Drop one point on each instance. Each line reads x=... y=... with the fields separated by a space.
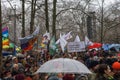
x=58 y=76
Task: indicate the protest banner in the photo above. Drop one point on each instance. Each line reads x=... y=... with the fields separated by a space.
x=76 y=46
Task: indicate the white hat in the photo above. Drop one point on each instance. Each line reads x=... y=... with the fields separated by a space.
x=14 y=58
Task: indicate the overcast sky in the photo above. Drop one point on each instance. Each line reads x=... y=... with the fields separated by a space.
x=17 y=2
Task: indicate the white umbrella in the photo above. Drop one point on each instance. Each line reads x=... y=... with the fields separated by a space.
x=63 y=65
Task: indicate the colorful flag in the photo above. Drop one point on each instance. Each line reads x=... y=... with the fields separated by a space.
x=5 y=38
x=25 y=39
x=5 y=29
x=52 y=46
x=47 y=35
x=5 y=42
x=5 y=33
x=27 y=42
x=28 y=45
x=45 y=40
x=29 y=37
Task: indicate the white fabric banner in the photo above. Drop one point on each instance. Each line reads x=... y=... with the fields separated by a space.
x=76 y=46
x=77 y=39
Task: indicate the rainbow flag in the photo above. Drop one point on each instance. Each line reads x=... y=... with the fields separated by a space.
x=27 y=43
x=5 y=38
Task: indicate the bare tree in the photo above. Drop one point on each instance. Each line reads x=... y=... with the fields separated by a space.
x=33 y=6
x=0 y=40
x=71 y=15
x=47 y=15
x=23 y=18
x=54 y=19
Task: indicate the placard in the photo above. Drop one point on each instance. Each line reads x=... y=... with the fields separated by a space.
x=76 y=46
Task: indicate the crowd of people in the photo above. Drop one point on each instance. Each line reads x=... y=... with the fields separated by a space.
x=104 y=65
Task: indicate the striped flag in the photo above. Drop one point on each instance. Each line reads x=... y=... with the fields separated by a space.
x=5 y=38
x=27 y=42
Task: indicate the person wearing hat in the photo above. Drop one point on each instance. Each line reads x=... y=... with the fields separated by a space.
x=16 y=63
x=116 y=70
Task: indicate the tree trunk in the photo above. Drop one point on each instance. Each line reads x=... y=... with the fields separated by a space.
x=102 y=16
x=54 y=19
x=47 y=15
x=0 y=40
x=33 y=4
x=47 y=19
x=23 y=18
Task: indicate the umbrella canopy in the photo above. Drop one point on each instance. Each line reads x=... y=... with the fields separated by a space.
x=95 y=45
x=63 y=65
x=116 y=46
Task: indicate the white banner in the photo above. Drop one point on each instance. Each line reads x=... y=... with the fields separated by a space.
x=76 y=46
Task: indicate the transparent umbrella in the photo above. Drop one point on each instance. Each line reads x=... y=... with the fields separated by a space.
x=63 y=65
